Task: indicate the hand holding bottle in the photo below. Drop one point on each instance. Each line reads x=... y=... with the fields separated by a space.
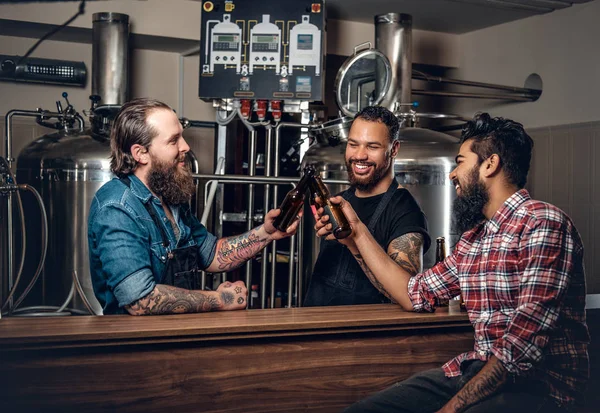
x=271 y=228
x=324 y=226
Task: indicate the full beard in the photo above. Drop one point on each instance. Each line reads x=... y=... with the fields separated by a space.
x=369 y=183
x=468 y=207
x=173 y=184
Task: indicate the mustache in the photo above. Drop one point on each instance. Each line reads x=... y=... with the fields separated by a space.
x=352 y=161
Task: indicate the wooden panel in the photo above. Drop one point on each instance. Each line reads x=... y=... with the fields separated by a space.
x=294 y=374
x=538 y=181
x=560 y=173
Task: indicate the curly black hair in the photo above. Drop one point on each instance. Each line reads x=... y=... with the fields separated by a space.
x=503 y=137
x=382 y=115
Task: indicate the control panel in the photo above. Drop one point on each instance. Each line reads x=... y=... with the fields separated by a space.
x=253 y=49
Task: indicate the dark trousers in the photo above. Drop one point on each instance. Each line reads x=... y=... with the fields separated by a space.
x=431 y=390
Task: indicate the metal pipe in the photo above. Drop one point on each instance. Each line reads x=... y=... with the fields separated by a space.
x=110 y=60
x=267 y=201
x=300 y=278
x=439 y=79
x=393 y=37
x=250 y=215
x=278 y=128
x=8 y=118
x=244 y=179
x=291 y=271
x=516 y=98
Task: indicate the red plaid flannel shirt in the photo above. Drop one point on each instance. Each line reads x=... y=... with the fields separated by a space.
x=522 y=278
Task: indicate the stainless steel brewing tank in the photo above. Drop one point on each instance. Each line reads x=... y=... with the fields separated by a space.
x=422 y=168
x=67 y=168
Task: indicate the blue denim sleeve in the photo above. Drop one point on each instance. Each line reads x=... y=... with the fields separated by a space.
x=123 y=249
x=207 y=242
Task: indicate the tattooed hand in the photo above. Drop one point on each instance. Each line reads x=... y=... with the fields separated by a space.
x=233 y=295
x=273 y=232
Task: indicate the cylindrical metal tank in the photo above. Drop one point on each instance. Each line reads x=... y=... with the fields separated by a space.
x=67 y=168
x=422 y=168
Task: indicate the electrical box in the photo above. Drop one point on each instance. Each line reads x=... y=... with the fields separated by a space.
x=253 y=49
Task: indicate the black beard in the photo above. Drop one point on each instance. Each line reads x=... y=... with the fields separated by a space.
x=175 y=187
x=468 y=207
x=378 y=175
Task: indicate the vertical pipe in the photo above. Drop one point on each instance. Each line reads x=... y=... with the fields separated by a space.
x=250 y=216
x=110 y=65
x=267 y=201
x=221 y=150
x=278 y=128
x=275 y=200
x=291 y=271
x=393 y=37
x=300 y=278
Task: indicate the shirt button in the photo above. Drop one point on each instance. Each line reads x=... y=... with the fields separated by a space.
x=481 y=352
x=480 y=338
x=485 y=315
x=485 y=254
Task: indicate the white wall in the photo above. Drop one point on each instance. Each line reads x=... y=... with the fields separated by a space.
x=562 y=47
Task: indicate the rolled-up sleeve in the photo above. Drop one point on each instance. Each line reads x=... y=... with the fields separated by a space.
x=546 y=256
x=439 y=283
x=122 y=248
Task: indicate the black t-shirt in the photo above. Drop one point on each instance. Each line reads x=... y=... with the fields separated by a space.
x=401 y=216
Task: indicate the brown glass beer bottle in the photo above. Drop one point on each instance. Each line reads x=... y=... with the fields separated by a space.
x=440 y=249
x=340 y=225
x=293 y=202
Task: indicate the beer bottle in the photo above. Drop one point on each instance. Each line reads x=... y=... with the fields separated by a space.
x=340 y=225
x=440 y=249
x=293 y=202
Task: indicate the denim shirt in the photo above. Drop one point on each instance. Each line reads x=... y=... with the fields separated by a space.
x=127 y=256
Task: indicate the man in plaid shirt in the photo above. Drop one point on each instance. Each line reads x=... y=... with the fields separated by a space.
x=519 y=267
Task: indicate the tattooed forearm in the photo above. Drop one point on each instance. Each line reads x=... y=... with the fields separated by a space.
x=487 y=382
x=372 y=277
x=407 y=251
x=234 y=251
x=165 y=299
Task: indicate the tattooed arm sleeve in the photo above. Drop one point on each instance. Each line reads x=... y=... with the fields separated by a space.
x=487 y=382
x=384 y=268
x=232 y=252
x=165 y=299
x=407 y=251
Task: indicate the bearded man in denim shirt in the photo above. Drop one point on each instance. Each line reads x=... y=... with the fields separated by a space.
x=146 y=246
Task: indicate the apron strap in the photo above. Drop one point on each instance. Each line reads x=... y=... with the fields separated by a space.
x=153 y=215
x=389 y=194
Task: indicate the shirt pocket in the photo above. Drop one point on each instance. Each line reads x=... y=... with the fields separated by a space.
x=159 y=259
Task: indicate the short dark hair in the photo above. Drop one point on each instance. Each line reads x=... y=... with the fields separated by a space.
x=130 y=128
x=503 y=137
x=381 y=115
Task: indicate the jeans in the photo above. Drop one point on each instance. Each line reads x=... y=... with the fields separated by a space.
x=429 y=391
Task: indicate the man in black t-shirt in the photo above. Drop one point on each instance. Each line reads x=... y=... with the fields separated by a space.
x=392 y=214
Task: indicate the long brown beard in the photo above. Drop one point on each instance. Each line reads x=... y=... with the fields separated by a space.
x=170 y=182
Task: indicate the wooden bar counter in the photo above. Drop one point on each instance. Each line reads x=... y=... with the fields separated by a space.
x=318 y=359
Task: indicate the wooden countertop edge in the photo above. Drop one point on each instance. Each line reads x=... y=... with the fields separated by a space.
x=87 y=331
